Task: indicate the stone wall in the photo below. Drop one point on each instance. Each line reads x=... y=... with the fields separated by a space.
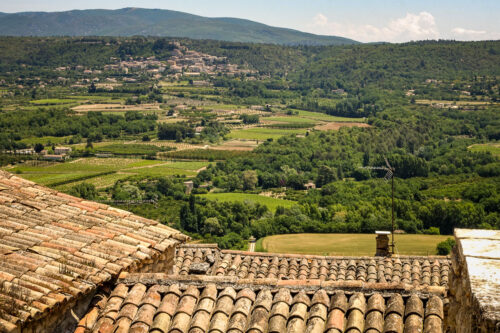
x=474 y=282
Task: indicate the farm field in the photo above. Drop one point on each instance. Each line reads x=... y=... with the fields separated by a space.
x=102 y=172
x=291 y=119
x=347 y=244
x=235 y=145
x=460 y=103
x=52 y=101
x=258 y=133
x=492 y=147
x=206 y=154
x=271 y=203
x=326 y=117
x=337 y=125
x=114 y=107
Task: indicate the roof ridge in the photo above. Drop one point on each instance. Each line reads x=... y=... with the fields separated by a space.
x=316 y=256
x=149 y=279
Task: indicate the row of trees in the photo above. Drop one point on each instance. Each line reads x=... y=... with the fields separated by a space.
x=95 y=126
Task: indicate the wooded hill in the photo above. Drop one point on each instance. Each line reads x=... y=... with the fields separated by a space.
x=154 y=22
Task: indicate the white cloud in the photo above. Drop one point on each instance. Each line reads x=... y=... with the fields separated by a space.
x=320 y=20
x=463 y=31
x=410 y=27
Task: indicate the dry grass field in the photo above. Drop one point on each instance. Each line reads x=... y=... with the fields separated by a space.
x=336 y=125
x=115 y=107
x=348 y=244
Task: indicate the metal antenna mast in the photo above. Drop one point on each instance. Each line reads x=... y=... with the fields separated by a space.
x=388 y=176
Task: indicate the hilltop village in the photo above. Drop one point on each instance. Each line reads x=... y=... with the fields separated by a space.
x=182 y=62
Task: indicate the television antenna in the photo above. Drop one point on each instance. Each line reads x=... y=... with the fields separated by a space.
x=388 y=176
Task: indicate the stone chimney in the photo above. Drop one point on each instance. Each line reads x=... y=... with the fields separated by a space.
x=251 y=244
x=382 y=243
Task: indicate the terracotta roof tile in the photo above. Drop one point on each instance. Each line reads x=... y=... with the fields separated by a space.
x=213 y=305
x=54 y=247
x=251 y=265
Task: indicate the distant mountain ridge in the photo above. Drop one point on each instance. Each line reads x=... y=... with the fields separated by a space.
x=155 y=22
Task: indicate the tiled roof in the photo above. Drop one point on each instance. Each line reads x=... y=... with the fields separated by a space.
x=208 y=259
x=159 y=303
x=55 y=248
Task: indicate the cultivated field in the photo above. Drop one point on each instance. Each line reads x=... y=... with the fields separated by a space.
x=327 y=118
x=348 y=244
x=492 y=147
x=237 y=145
x=101 y=172
x=115 y=107
x=271 y=203
x=258 y=133
x=337 y=125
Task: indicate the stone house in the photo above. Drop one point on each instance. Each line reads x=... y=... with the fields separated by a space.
x=62 y=150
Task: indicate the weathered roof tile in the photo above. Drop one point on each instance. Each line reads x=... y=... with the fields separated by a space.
x=51 y=244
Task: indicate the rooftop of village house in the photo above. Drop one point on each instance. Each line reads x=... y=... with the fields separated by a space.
x=210 y=260
x=163 y=303
x=55 y=248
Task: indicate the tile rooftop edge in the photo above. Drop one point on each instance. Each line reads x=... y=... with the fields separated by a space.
x=317 y=256
x=148 y=279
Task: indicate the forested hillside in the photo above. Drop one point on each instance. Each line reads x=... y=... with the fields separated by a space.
x=155 y=22
x=295 y=127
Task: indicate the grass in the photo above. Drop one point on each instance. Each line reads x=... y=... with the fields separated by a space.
x=91 y=170
x=348 y=244
x=291 y=119
x=98 y=181
x=52 y=101
x=325 y=117
x=51 y=173
x=462 y=103
x=45 y=140
x=222 y=107
x=492 y=147
x=130 y=149
x=206 y=154
x=271 y=203
x=259 y=133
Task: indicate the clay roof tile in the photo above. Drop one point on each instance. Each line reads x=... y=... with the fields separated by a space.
x=414 y=305
x=434 y=307
x=246 y=293
x=396 y=305
x=283 y=295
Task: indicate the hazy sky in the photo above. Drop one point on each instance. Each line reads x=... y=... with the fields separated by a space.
x=366 y=21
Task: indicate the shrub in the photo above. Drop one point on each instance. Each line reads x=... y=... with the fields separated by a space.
x=445 y=247
x=432 y=231
x=84 y=191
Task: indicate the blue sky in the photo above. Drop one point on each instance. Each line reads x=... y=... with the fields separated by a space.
x=366 y=21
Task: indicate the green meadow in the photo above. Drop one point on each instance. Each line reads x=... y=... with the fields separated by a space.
x=271 y=203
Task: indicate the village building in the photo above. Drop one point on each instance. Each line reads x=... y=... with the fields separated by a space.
x=62 y=150
x=189 y=186
x=71 y=265
x=309 y=185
